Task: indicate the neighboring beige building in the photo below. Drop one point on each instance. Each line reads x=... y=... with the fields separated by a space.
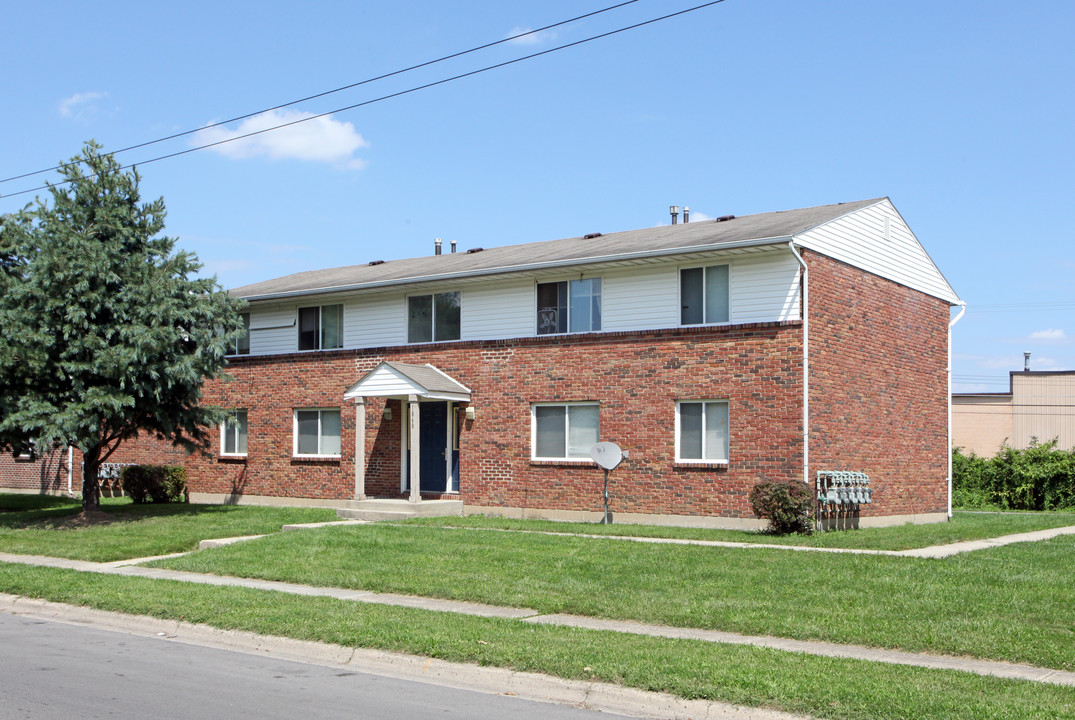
x=1040 y=404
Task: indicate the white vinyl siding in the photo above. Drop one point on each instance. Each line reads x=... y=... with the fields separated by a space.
x=877 y=240
x=272 y=330
x=643 y=298
x=504 y=310
x=375 y=321
x=765 y=287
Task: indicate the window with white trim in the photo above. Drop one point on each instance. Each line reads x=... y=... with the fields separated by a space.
x=704 y=295
x=564 y=431
x=702 y=431
x=233 y=434
x=321 y=327
x=433 y=318
x=569 y=306
x=317 y=433
x=242 y=343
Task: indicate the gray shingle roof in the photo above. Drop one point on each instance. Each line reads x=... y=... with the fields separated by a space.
x=670 y=239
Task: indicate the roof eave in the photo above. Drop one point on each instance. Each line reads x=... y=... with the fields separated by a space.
x=552 y=264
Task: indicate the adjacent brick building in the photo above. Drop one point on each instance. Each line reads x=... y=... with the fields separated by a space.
x=696 y=347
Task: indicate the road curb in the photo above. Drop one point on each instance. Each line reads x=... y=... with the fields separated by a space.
x=605 y=697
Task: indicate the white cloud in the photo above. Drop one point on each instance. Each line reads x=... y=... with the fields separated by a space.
x=1049 y=335
x=320 y=139
x=531 y=38
x=81 y=106
x=699 y=216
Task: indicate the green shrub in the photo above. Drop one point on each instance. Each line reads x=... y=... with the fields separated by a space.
x=786 y=505
x=1041 y=477
x=155 y=483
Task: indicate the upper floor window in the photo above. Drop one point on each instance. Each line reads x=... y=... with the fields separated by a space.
x=317 y=433
x=569 y=306
x=702 y=431
x=433 y=318
x=242 y=343
x=321 y=327
x=703 y=293
x=233 y=434
x=565 y=431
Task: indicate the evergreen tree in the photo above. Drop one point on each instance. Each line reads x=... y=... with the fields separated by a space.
x=107 y=330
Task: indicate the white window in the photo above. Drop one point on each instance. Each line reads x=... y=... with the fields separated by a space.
x=702 y=431
x=569 y=306
x=433 y=318
x=703 y=295
x=233 y=434
x=564 y=431
x=321 y=327
x=317 y=433
x=242 y=343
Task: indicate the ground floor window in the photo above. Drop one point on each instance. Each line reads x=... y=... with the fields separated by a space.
x=702 y=431
x=564 y=431
x=317 y=433
x=233 y=434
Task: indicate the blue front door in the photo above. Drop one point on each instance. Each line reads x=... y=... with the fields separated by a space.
x=433 y=446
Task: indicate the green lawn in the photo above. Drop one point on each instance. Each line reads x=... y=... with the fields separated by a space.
x=962 y=526
x=756 y=677
x=1010 y=603
x=36 y=526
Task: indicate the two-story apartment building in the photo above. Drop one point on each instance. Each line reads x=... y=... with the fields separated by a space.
x=718 y=353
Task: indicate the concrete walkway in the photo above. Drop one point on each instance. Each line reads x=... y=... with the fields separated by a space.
x=934 y=551
x=980 y=667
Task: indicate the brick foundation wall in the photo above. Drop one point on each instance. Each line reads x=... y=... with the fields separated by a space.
x=879 y=387
x=46 y=474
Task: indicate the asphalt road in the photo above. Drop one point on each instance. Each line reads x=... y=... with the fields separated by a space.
x=56 y=671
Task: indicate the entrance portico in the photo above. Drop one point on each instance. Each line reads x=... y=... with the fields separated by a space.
x=429 y=454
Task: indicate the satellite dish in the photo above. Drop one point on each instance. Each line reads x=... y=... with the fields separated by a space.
x=607 y=455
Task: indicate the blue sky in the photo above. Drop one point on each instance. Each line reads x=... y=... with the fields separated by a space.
x=961 y=112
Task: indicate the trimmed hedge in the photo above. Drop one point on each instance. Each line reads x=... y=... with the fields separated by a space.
x=1041 y=477
x=155 y=483
x=785 y=505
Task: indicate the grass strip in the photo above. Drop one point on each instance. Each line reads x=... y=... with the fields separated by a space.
x=1010 y=603
x=139 y=530
x=963 y=526
x=755 y=677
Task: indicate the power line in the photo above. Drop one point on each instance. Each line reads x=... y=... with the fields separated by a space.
x=336 y=90
x=385 y=97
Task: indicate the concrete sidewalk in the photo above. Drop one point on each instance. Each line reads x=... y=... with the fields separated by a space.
x=926 y=660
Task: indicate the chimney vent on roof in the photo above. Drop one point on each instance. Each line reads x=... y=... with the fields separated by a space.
x=686 y=214
x=453 y=247
x=725 y=218
x=376 y=262
x=1026 y=362
x=436 y=246
x=673 y=210
x=591 y=236
x=474 y=250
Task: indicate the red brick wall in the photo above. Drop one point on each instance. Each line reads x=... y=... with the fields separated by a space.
x=47 y=474
x=636 y=378
x=878 y=386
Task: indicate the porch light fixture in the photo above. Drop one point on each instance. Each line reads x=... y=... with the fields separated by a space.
x=388 y=413
x=470 y=413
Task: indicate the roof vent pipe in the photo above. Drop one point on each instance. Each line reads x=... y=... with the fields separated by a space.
x=686 y=214
x=673 y=210
x=436 y=246
x=453 y=247
x=1026 y=362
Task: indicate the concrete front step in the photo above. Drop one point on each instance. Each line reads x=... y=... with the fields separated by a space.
x=399 y=509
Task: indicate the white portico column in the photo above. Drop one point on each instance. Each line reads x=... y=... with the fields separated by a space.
x=360 y=449
x=412 y=413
